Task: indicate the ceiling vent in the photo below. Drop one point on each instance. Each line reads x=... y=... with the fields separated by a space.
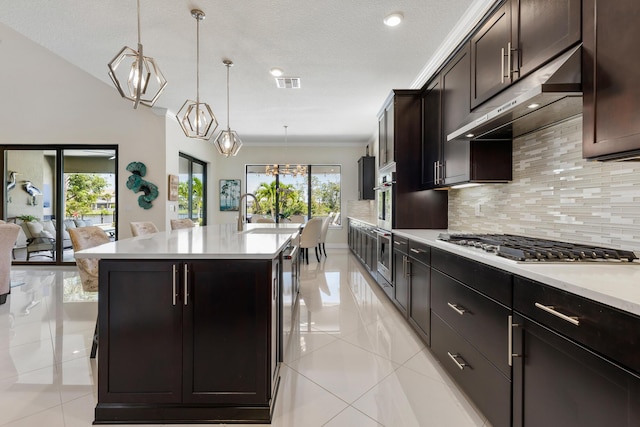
x=288 y=82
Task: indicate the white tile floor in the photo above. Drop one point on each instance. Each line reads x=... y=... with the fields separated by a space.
x=351 y=359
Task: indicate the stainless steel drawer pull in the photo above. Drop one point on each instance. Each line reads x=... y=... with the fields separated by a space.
x=502 y=66
x=455 y=358
x=173 y=270
x=551 y=310
x=396 y=242
x=186 y=284
x=510 y=340
x=457 y=308
x=418 y=251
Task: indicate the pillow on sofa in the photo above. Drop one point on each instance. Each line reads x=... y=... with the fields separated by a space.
x=35 y=228
x=50 y=227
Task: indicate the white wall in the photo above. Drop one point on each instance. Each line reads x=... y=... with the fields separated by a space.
x=46 y=100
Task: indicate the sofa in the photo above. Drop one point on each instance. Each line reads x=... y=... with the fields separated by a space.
x=40 y=236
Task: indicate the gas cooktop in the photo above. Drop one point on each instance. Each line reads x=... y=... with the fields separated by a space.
x=531 y=249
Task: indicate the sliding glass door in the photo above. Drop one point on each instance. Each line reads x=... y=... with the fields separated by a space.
x=192 y=189
x=49 y=189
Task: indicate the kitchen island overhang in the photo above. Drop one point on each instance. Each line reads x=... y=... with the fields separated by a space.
x=189 y=325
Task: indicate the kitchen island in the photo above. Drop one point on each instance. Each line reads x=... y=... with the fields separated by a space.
x=188 y=325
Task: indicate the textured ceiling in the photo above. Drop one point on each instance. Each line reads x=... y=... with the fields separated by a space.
x=347 y=59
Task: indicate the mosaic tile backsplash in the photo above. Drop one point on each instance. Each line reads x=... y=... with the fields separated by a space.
x=555 y=194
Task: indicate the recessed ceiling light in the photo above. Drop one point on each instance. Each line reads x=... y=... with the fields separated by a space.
x=532 y=106
x=469 y=135
x=276 y=72
x=393 y=19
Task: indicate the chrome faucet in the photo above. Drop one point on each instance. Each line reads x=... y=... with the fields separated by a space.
x=240 y=216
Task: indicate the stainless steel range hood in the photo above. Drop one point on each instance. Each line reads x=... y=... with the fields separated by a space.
x=545 y=97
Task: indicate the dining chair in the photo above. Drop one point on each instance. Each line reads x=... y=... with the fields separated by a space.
x=310 y=237
x=265 y=220
x=140 y=228
x=8 y=237
x=85 y=238
x=323 y=233
x=298 y=219
x=177 y=224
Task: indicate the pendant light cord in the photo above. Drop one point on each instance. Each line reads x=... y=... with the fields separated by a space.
x=139 y=38
x=228 y=113
x=197 y=62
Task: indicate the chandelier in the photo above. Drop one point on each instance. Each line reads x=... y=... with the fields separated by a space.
x=196 y=118
x=275 y=169
x=141 y=78
x=272 y=170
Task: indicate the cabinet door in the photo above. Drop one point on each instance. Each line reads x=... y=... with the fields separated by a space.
x=227 y=361
x=543 y=29
x=401 y=271
x=386 y=135
x=366 y=178
x=431 y=134
x=611 y=101
x=455 y=109
x=141 y=364
x=489 y=53
x=420 y=301
x=557 y=382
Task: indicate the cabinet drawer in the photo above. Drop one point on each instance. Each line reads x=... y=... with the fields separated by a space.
x=420 y=252
x=607 y=330
x=480 y=320
x=487 y=387
x=487 y=280
x=401 y=244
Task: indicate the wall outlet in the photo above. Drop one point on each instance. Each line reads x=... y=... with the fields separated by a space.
x=478 y=209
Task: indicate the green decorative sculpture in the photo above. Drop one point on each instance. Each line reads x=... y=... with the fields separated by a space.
x=135 y=183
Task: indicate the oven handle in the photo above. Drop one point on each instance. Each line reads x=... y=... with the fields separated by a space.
x=292 y=253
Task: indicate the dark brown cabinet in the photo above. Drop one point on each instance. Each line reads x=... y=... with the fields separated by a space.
x=431 y=134
x=490 y=50
x=470 y=330
x=386 y=135
x=401 y=273
x=576 y=361
x=363 y=243
x=542 y=29
x=413 y=208
x=447 y=163
x=611 y=101
x=419 y=312
x=518 y=37
x=366 y=178
x=191 y=340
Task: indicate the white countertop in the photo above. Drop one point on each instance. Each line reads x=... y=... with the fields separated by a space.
x=372 y=221
x=616 y=285
x=257 y=241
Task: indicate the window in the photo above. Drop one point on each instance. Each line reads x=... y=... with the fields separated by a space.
x=192 y=189
x=52 y=188
x=280 y=196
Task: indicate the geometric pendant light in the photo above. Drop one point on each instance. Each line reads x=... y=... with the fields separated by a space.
x=228 y=142
x=196 y=118
x=137 y=77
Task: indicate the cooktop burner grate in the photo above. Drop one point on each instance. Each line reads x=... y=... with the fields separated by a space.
x=529 y=249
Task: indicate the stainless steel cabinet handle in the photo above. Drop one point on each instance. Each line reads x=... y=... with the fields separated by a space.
x=186 y=284
x=502 y=65
x=435 y=172
x=455 y=358
x=399 y=243
x=275 y=287
x=418 y=251
x=510 y=340
x=551 y=310
x=408 y=271
x=173 y=269
x=509 y=60
x=457 y=308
